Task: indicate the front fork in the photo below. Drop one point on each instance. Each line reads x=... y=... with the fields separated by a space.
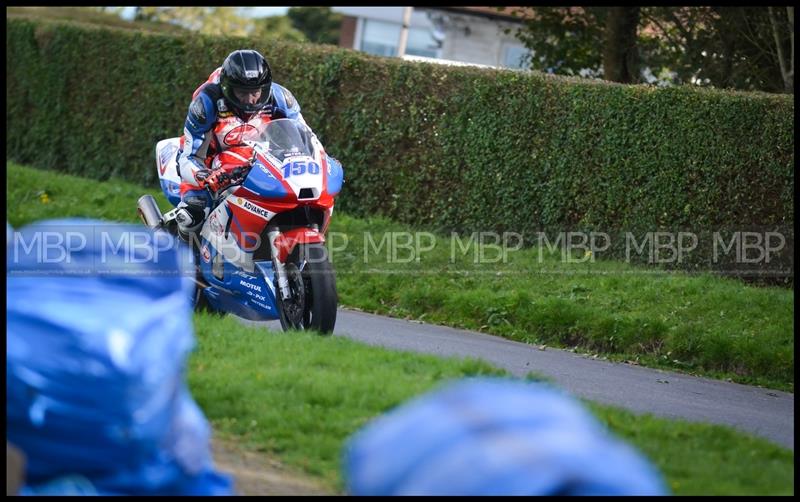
x=280 y=269
x=278 y=266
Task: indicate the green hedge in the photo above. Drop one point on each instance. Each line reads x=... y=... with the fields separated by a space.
x=444 y=147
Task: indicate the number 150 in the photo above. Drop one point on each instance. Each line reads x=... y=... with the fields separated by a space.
x=300 y=167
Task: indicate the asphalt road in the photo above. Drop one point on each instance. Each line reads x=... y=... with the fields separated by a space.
x=763 y=412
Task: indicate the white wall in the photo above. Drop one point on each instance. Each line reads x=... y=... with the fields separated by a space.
x=484 y=45
x=392 y=14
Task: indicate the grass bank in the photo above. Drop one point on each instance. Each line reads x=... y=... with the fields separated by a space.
x=700 y=324
x=300 y=396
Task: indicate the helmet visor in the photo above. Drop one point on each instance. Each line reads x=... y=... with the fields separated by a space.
x=250 y=99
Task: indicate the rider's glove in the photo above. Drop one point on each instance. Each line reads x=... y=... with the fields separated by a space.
x=217 y=180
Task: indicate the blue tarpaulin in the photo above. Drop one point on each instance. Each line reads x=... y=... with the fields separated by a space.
x=98 y=334
x=492 y=436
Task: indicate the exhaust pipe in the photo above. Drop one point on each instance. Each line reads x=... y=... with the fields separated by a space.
x=149 y=212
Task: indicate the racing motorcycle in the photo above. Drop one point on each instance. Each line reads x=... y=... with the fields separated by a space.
x=260 y=253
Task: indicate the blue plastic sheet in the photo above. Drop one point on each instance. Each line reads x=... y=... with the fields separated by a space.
x=98 y=333
x=494 y=437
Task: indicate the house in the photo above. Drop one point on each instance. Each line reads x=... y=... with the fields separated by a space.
x=456 y=35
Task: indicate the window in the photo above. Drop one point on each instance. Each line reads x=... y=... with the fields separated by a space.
x=381 y=38
x=420 y=43
x=514 y=55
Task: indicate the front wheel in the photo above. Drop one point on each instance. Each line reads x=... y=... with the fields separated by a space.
x=313 y=301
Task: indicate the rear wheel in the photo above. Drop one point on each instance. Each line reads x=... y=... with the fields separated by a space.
x=313 y=303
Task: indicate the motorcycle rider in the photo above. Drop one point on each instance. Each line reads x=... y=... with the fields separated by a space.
x=238 y=98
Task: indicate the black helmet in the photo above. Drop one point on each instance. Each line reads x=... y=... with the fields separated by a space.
x=243 y=73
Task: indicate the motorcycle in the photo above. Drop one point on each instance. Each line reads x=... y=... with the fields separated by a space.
x=260 y=253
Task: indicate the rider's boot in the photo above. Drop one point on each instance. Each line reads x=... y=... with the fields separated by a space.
x=190 y=220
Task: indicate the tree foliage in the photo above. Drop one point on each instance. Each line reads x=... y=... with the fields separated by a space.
x=301 y=24
x=729 y=47
x=747 y=48
x=319 y=24
x=278 y=28
x=208 y=20
x=563 y=40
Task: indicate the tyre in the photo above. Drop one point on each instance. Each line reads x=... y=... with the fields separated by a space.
x=313 y=303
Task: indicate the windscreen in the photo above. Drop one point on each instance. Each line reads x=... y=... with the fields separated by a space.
x=285 y=138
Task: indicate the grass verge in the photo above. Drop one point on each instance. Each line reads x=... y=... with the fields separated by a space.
x=300 y=396
x=700 y=324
